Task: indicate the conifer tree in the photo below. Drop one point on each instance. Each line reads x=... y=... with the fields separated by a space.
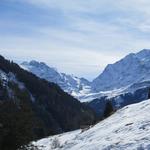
x=108 y=109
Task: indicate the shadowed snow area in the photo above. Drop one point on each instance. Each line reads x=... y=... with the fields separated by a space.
x=127 y=129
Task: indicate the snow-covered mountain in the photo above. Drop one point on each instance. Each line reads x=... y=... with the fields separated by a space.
x=127 y=129
x=69 y=83
x=125 y=76
x=124 y=82
x=134 y=68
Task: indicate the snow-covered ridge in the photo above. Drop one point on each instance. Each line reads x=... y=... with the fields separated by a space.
x=127 y=129
x=69 y=83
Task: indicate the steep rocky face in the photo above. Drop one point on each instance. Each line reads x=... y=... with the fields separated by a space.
x=129 y=70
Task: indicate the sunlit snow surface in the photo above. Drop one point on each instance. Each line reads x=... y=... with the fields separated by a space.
x=127 y=129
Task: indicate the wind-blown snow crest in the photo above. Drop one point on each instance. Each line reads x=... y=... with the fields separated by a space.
x=127 y=129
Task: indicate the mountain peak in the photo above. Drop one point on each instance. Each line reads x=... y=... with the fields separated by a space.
x=144 y=54
x=144 y=51
x=69 y=83
x=33 y=62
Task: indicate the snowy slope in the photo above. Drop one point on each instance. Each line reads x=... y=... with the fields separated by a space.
x=127 y=129
x=134 y=68
x=69 y=83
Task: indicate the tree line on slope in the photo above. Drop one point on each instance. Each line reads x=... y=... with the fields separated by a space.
x=53 y=111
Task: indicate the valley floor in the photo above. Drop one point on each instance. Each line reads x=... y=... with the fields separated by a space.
x=127 y=129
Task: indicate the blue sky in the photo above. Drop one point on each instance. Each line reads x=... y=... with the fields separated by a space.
x=76 y=36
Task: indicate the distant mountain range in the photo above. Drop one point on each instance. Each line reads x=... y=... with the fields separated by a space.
x=132 y=69
x=125 y=82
